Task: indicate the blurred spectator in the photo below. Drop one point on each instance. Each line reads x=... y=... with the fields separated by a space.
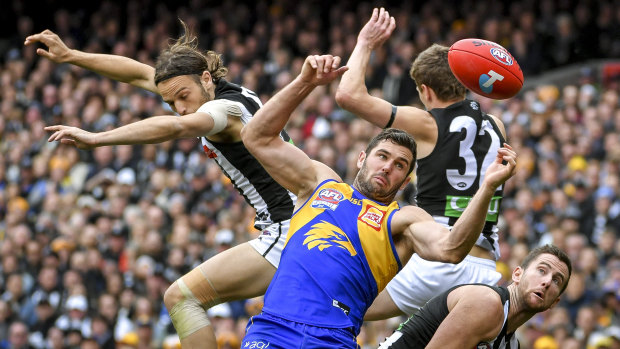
x=74 y=317
x=17 y=338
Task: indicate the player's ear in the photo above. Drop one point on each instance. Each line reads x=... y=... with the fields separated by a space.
x=407 y=180
x=428 y=92
x=360 y=159
x=206 y=77
x=516 y=274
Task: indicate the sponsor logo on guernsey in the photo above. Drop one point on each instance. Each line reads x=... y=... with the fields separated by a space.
x=372 y=217
x=346 y=309
x=328 y=199
x=256 y=345
x=486 y=81
x=455 y=205
x=501 y=56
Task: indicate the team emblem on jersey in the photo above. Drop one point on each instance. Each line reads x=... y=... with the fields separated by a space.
x=323 y=235
x=373 y=217
x=483 y=345
x=328 y=198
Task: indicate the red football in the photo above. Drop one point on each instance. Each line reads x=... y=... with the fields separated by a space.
x=485 y=68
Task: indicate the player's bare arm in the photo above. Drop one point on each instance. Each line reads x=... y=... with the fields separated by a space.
x=499 y=124
x=114 y=67
x=353 y=95
x=287 y=164
x=474 y=310
x=156 y=129
x=432 y=241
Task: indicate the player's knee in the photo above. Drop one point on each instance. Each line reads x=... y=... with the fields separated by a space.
x=172 y=296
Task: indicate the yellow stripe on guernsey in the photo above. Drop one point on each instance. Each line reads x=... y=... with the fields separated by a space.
x=372 y=229
x=376 y=242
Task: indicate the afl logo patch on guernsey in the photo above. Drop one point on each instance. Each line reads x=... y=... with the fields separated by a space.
x=372 y=217
x=501 y=56
x=483 y=345
x=328 y=198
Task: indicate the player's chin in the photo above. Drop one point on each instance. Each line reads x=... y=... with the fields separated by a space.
x=536 y=303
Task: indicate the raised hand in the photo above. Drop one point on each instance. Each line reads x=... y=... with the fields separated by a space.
x=57 y=50
x=498 y=172
x=321 y=70
x=378 y=29
x=73 y=136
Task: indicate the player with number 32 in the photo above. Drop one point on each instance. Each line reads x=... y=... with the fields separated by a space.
x=456 y=143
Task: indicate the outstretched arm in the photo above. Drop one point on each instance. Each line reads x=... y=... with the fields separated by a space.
x=353 y=95
x=114 y=67
x=433 y=241
x=287 y=164
x=155 y=129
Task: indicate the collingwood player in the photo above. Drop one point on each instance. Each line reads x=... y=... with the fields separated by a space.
x=192 y=83
x=456 y=143
x=487 y=316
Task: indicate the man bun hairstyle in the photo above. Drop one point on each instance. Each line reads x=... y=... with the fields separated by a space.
x=184 y=58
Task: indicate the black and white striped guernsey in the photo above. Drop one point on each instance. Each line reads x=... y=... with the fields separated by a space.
x=467 y=143
x=272 y=202
x=419 y=329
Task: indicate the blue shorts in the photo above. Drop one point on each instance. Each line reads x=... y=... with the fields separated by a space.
x=269 y=331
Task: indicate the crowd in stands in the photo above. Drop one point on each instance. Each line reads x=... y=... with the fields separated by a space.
x=90 y=240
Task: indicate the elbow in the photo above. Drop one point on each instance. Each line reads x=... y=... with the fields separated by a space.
x=249 y=136
x=345 y=98
x=451 y=256
x=246 y=135
x=454 y=257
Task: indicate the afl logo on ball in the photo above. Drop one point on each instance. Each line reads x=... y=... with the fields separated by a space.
x=502 y=56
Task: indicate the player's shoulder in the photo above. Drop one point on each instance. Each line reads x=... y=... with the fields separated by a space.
x=480 y=298
x=417 y=122
x=479 y=293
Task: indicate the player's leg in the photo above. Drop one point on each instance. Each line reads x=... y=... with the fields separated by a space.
x=241 y=272
x=237 y=273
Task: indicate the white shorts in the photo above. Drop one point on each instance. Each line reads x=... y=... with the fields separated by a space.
x=421 y=280
x=271 y=241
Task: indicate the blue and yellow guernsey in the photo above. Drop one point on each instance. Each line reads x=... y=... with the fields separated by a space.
x=339 y=255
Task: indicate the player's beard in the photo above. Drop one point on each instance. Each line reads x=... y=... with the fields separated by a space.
x=363 y=183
